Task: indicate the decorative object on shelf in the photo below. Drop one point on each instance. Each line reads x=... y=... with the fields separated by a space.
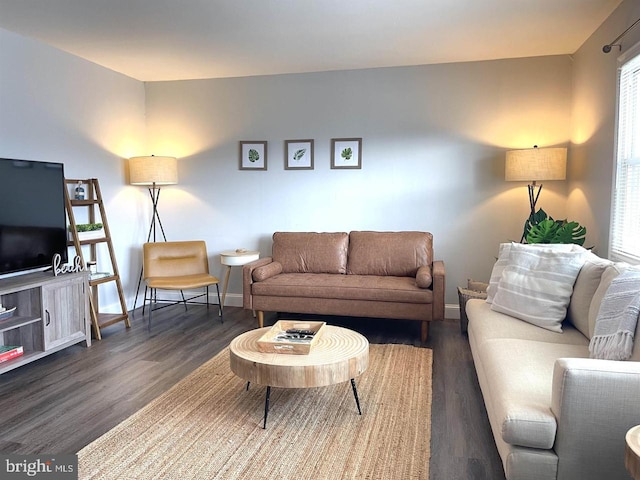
x=87 y=231
x=6 y=313
x=346 y=153
x=540 y=228
x=78 y=192
x=533 y=165
x=73 y=267
x=153 y=172
x=298 y=155
x=253 y=155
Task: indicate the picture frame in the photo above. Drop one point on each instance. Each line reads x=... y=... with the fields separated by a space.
x=298 y=154
x=253 y=155
x=346 y=153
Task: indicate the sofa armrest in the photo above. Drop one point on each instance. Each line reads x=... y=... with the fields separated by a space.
x=438 y=289
x=247 y=279
x=595 y=402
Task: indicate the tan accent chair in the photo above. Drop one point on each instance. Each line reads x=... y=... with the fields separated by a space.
x=177 y=266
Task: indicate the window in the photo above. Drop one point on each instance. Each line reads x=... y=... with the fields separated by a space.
x=625 y=224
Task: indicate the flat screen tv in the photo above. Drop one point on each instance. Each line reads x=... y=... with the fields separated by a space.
x=33 y=222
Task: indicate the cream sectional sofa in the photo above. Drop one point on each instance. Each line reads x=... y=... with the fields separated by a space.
x=555 y=413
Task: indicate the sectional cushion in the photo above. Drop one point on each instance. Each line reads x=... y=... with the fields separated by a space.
x=519 y=393
x=398 y=254
x=310 y=252
x=537 y=283
x=583 y=291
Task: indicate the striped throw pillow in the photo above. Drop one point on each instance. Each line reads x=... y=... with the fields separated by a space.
x=537 y=283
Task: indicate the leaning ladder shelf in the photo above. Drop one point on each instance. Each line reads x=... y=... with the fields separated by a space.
x=93 y=199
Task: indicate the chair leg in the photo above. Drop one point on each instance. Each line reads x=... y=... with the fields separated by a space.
x=219 y=304
x=183 y=300
x=144 y=303
x=151 y=296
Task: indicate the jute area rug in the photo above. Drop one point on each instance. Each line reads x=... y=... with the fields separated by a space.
x=209 y=427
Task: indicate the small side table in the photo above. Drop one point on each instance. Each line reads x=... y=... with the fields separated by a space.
x=235 y=258
x=632 y=452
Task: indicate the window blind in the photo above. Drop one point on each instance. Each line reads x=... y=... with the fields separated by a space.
x=625 y=224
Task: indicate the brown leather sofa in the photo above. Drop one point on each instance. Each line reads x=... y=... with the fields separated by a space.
x=359 y=274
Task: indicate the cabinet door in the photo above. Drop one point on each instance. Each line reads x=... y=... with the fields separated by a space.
x=64 y=311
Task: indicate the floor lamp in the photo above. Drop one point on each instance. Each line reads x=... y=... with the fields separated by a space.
x=153 y=172
x=534 y=165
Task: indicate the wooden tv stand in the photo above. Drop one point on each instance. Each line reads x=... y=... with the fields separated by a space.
x=52 y=313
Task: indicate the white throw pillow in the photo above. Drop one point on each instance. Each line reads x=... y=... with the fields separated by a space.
x=537 y=282
x=503 y=261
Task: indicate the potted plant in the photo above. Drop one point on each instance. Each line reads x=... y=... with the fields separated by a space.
x=88 y=231
x=541 y=228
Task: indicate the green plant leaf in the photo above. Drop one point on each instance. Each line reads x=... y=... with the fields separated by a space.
x=254 y=156
x=347 y=153
x=557 y=231
x=298 y=154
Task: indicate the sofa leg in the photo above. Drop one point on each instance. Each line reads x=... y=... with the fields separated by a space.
x=424 y=331
x=260 y=319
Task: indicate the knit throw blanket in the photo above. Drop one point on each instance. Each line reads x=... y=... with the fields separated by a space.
x=616 y=321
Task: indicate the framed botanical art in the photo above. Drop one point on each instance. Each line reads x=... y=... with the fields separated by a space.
x=346 y=153
x=253 y=155
x=298 y=155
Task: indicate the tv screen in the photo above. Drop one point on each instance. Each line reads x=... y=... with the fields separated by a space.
x=33 y=222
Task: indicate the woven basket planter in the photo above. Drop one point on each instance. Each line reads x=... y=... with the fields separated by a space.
x=474 y=290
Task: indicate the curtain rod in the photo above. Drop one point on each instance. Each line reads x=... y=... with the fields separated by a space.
x=607 y=48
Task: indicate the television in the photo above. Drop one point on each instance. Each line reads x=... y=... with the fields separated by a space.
x=33 y=221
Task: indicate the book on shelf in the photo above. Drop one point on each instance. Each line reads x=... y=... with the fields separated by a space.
x=9 y=352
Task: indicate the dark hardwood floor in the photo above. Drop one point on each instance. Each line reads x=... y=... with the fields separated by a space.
x=62 y=402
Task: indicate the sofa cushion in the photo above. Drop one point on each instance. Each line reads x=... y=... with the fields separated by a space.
x=424 y=277
x=503 y=260
x=350 y=287
x=583 y=291
x=310 y=252
x=519 y=394
x=398 y=254
x=488 y=324
x=537 y=283
x=266 y=271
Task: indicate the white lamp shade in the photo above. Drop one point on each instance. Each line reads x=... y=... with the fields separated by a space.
x=534 y=164
x=153 y=170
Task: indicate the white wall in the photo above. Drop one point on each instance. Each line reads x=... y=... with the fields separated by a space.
x=57 y=107
x=593 y=124
x=434 y=141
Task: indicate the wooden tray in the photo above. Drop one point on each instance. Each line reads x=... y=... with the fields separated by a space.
x=268 y=343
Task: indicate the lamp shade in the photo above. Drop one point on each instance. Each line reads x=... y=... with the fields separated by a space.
x=153 y=170
x=534 y=164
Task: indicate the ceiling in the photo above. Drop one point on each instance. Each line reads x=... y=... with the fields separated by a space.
x=153 y=40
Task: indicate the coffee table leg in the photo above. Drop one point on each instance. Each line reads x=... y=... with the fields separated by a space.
x=266 y=407
x=355 y=394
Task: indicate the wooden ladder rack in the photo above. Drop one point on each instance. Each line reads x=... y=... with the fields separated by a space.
x=93 y=199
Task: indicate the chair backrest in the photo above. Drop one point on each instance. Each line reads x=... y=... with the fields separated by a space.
x=170 y=259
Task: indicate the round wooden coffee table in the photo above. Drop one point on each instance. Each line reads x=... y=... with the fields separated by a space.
x=339 y=355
